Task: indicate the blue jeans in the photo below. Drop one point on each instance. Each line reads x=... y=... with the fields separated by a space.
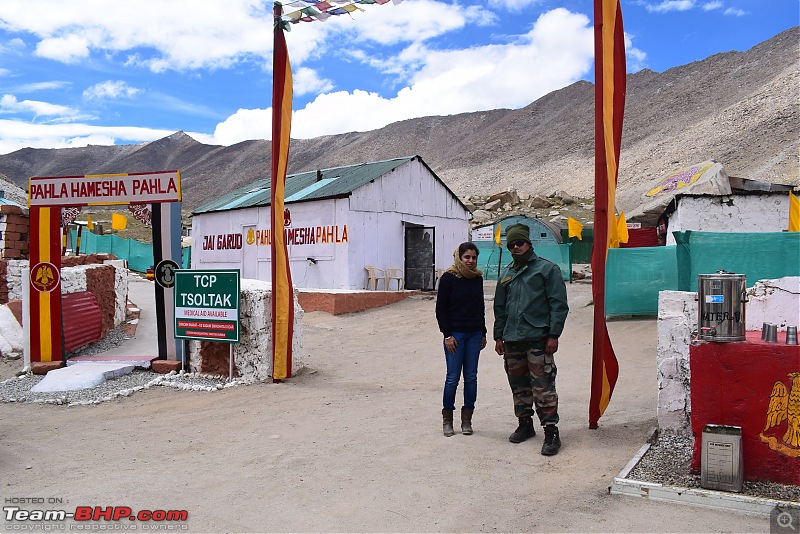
x=466 y=359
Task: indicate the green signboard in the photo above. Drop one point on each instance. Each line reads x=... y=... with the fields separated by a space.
x=207 y=305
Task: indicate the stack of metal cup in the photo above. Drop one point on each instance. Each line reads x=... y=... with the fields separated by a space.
x=769 y=332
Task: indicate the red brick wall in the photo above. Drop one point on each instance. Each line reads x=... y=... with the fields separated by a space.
x=16 y=232
x=100 y=281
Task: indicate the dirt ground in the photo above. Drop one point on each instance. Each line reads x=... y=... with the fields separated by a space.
x=354 y=443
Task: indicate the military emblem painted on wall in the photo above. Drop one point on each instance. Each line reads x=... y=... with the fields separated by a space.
x=44 y=277
x=784 y=405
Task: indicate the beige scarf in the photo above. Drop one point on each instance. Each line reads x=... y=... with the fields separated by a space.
x=460 y=270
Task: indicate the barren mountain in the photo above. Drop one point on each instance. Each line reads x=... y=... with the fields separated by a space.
x=739 y=108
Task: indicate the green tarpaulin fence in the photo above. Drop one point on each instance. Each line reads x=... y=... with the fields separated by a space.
x=634 y=276
x=489 y=255
x=139 y=255
x=758 y=256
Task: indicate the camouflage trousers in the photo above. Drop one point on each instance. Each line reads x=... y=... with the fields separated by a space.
x=532 y=377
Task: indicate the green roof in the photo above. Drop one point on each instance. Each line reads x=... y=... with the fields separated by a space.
x=304 y=186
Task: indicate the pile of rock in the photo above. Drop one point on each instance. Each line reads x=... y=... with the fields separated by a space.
x=555 y=207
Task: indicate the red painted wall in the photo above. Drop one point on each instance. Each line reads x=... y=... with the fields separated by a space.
x=733 y=384
x=641 y=237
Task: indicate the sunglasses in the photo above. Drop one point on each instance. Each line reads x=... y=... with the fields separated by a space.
x=517 y=244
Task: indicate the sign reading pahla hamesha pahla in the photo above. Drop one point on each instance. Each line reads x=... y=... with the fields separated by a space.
x=102 y=189
x=304 y=235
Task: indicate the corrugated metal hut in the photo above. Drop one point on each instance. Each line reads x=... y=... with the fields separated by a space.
x=395 y=213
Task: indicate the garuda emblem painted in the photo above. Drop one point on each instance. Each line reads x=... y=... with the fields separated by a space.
x=251 y=236
x=44 y=277
x=784 y=406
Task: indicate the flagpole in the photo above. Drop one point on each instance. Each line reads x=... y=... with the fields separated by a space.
x=609 y=69
x=281 y=275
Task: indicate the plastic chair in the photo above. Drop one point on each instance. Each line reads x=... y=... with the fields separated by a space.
x=439 y=273
x=394 y=273
x=373 y=275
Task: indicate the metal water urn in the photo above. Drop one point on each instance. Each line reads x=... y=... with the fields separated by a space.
x=721 y=306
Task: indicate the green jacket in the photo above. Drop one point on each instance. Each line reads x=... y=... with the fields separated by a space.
x=530 y=303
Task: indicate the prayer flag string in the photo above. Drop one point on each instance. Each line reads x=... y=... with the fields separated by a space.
x=310 y=11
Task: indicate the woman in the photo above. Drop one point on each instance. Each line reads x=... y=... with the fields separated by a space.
x=460 y=313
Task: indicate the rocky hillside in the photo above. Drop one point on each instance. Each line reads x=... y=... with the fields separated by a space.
x=739 y=108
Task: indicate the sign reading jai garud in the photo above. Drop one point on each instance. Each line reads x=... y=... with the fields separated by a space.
x=207 y=305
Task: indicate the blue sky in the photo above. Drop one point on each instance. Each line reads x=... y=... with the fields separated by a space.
x=101 y=72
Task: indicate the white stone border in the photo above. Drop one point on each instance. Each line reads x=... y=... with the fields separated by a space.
x=163 y=380
x=720 y=500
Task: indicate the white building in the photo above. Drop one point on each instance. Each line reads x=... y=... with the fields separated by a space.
x=393 y=213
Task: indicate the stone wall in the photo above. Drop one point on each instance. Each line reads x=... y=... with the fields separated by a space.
x=252 y=356
x=3 y=281
x=108 y=281
x=775 y=301
x=677 y=318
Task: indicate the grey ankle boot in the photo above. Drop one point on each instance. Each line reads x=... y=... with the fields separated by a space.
x=447 y=423
x=466 y=421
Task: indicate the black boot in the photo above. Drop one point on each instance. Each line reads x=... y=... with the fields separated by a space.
x=447 y=423
x=466 y=421
x=552 y=441
x=524 y=430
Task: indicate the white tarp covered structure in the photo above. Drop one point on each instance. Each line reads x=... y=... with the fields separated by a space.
x=706 y=178
x=704 y=198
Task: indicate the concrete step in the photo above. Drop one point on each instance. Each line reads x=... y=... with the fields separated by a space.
x=81 y=376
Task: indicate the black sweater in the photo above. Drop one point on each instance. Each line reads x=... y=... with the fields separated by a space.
x=459 y=304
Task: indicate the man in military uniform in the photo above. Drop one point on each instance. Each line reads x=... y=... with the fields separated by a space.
x=530 y=308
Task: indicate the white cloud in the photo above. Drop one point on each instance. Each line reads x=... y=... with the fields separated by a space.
x=409 y=22
x=243 y=125
x=636 y=59
x=110 y=90
x=209 y=34
x=174 y=34
x=306 y=80
x=15 y=134
x=710 y=6
x=15 y=45
x=556 y=52
x=10 y=104
x=68 y=49
x=414 y=21
x=670 y=5
x=513 y=5
x=40 y=86
x=734 y=12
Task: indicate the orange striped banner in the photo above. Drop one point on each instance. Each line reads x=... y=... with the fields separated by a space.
x=609 y=68
x=45 y=284
x=282 y=292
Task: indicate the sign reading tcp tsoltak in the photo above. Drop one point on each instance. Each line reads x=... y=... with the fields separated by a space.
x=207 y=305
